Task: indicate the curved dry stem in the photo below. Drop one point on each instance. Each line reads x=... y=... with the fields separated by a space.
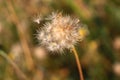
x=78 y=63
x=21 y=34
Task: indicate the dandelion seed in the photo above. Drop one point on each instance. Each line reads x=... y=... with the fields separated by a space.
x=62 y=32
x=37 y=19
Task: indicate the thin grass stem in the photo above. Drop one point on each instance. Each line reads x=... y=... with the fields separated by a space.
x=20 y=74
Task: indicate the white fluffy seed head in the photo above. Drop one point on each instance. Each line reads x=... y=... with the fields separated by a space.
x=62 y=32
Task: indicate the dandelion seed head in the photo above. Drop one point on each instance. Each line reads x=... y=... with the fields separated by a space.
x=62 y=32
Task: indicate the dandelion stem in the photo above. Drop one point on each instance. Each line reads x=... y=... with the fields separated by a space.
x=20 y=74
x=78 y=63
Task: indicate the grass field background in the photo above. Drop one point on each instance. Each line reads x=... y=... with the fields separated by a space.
x=99 y=52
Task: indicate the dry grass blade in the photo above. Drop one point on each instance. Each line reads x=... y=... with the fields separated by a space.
x=21 y=33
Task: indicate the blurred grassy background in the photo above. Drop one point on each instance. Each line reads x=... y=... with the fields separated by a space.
x=99 y=52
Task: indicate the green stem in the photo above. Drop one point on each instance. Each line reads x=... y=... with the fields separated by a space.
x=18 y=71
